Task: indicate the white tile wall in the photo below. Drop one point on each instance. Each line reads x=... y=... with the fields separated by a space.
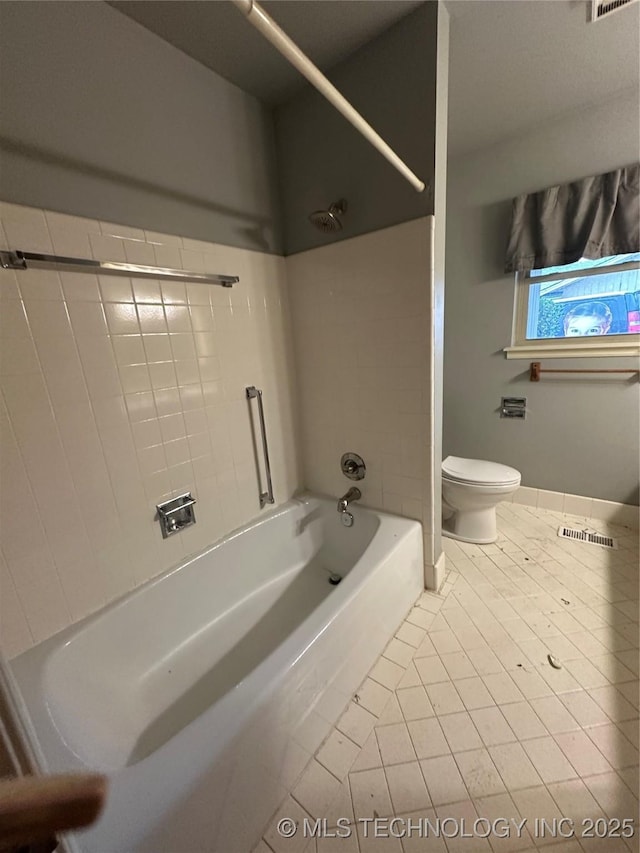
x=119 y=393
x=361 y=319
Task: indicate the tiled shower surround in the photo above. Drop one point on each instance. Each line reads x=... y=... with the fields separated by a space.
x=361 y=310
x=119 y=393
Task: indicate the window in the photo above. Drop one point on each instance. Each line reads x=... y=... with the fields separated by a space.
x=591 y=307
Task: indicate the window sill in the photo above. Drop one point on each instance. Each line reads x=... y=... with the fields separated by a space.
x=561 y=350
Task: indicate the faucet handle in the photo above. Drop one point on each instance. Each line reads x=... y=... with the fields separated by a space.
x=352 y=466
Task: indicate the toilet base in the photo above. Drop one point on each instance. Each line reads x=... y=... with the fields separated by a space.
x=474 y=526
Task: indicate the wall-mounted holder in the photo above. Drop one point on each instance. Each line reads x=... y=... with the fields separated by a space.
x=513 y=407
x=535 y=369
x=176 y=514
x=353 y=466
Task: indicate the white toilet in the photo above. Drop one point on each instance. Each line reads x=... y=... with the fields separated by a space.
x=471 y=488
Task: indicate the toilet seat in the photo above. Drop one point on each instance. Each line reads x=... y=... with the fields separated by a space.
x=478 y=472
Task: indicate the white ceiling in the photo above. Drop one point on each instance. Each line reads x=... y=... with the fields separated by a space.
x=513 y=63
x=517 y=63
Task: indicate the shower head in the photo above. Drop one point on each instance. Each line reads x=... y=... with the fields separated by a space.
x=329 y=220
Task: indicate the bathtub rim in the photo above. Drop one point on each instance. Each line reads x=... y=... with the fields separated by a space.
x=299 y=500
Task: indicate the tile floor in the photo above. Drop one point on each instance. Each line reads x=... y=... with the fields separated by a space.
x=463 y=716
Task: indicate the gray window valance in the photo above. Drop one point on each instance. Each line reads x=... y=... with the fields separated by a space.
x=592 y=218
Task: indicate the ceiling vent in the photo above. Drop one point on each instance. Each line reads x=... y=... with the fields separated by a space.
x=602 y=8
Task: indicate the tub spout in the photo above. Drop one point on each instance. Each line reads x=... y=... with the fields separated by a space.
x=354 y=494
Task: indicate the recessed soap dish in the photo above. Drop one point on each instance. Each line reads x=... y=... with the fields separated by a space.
x=176 y=514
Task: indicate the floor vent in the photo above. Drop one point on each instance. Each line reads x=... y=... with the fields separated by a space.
x=601 y=8
x=585 y=536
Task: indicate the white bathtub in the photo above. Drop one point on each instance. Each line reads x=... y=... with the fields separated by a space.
x=204 y=693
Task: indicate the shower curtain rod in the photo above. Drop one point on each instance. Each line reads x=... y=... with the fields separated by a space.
x=256 y=15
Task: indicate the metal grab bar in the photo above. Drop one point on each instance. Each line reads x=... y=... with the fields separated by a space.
x=265 y=497
x=27 y=260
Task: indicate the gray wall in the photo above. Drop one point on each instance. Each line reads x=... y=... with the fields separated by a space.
x=581 y=434
x=322 y=158
x=101 y=118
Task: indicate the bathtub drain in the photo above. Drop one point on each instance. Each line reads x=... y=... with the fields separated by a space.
x=334 y=579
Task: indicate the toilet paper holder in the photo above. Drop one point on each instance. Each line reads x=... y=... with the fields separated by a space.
x=513 y=407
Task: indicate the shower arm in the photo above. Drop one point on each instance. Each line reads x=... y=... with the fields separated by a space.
x=256 y=15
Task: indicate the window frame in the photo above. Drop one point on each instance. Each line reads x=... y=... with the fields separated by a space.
x=585 y=347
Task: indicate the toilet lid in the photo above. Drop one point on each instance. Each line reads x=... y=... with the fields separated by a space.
x=480 y=472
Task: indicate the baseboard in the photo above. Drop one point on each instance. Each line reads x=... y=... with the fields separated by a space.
x=434 y=574
x=592 y=508
x=439 y=571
